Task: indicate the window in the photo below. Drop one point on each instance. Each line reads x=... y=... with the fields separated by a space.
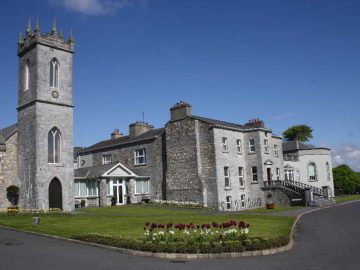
x=238 y=146
x=312 y=171
x=54 y=146
x=328 y=171
x=140 y=156
x=224 y=144
x=291 y=158
x=289 y=173
x=108 y=187
x=54 y=73
x=276 y=151
x=266 y=146
x=242 y=200
x=26 y=76
x=85 y=188
x=107 y=159
x=241 y=177
x=142 y=186
x=254 y=174
x=252 y=146
x=277 y=173
x=228 y=202
x=227 y=177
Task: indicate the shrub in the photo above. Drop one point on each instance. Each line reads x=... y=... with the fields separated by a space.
x=12 y=194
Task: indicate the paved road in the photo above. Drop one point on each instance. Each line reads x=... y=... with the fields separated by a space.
x=327 y=239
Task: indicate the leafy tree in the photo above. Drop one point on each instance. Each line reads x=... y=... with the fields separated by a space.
x=300 y=133
x=346 y=181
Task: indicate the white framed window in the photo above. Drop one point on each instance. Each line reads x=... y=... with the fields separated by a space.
x=252 y=147
x=54 y=146
x=227 y=177
x=276 y=150
x=228 y=202
x=328 y=171
x=54 y=73
x=289 y=174
x=242 y=200
x=141 y=186
x=266 y=146
x=254 y=173
x=277 y=173
x=85 y=188
x=140 y=156
x=241 y=176
x=26 y=76
x=225 y=144
x=107 y=159
x=238 y=146
x=312 y=171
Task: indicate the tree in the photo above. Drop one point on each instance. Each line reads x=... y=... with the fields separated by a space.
x=300 y=133
x=346 y=181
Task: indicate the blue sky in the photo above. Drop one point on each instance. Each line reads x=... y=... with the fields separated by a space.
x=287 y=62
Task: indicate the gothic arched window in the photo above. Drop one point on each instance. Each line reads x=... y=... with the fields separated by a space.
x=54 y=73
x=26 y=76
x=54 y=145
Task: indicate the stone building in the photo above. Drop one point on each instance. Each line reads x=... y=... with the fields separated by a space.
x=37 y=153
x=211 y=162
x=308 y=164
x=219 y=164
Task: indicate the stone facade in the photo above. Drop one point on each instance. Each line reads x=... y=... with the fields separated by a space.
x=8 y=168
x=42 y=107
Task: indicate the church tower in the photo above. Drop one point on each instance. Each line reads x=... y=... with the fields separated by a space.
x=45 y=120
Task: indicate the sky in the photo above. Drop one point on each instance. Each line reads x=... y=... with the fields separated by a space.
x=287 y=62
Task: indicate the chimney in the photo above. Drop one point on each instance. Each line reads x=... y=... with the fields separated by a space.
x=116 y=134
x=138 y=128
x=256 y=123
x=180 y=110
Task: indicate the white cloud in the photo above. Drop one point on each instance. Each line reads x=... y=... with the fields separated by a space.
x=348 y=154
x=97 y=7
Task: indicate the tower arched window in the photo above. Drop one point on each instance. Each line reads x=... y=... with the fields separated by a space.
x=312 y=171
x=54 y=73
x=26 y=76
x=54 y=146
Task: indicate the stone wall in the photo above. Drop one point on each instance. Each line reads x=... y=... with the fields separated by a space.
x=182 y=177
x=8 y=169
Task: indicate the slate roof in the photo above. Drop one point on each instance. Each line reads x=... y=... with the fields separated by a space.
x=292 y=146
x=7 y=132
x=223 y=124
x=93 y=172
x=124 y=140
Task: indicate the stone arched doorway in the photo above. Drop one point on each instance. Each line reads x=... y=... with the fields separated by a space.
x=55 y=194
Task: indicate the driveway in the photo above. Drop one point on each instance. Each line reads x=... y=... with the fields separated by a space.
x=326 y=239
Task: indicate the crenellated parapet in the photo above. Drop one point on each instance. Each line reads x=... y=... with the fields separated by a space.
x=53 y=39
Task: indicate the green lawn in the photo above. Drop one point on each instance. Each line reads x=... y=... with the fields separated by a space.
x=348 y=198
x=276 y=209
x=128 y=221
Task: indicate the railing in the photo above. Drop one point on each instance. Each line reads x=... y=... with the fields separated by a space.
x=294 y=185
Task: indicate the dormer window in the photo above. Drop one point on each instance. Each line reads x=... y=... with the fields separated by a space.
x=54 y=73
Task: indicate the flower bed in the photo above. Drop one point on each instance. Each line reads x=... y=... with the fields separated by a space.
x=212 y=237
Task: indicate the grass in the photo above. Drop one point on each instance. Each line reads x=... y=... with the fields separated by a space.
x=347 y=198
x=276 y=209
x=128 y=221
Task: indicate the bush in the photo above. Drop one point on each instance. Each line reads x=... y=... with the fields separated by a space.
x=12 y=194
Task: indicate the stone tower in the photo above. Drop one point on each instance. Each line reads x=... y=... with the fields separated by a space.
x=45 y=120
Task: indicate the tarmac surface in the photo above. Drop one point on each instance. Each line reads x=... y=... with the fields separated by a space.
x=325 y=239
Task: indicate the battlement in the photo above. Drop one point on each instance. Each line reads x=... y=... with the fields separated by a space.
x=52 y=39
